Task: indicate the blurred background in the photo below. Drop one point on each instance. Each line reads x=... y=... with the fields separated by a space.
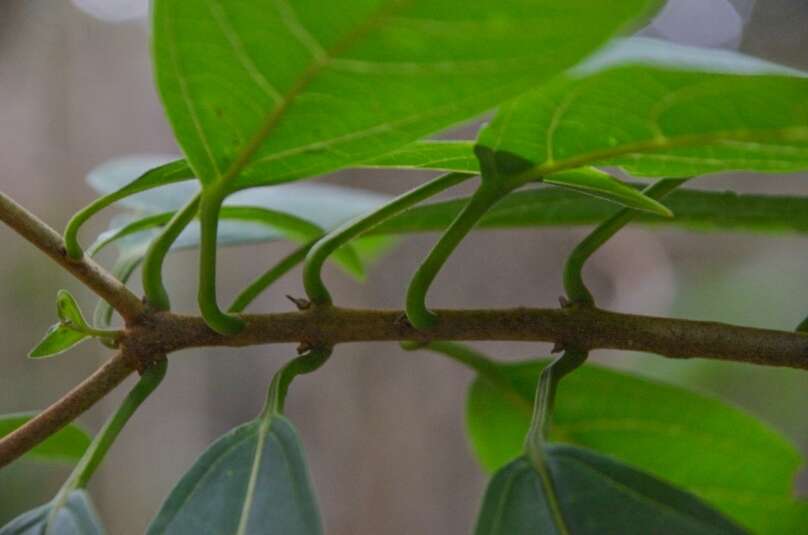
x=383 y=429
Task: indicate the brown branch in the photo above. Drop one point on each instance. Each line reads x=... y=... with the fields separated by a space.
x=85 y=269
x=64 y=411
x=583 y=327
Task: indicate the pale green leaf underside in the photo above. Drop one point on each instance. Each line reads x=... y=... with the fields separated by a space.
x=291 y=211
x=66 y=445
x=550 y=207
x=654 y=427
x=281 y=90
x=76 y=517
x=596 y=495
x=657 y=122
x=251 y=481
x=316 y=202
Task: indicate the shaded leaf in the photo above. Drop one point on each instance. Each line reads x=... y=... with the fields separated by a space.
x=682 y=437
x=595 y=495
x=253 y=480
x=66 y=445
x=660 y=118
x=408 y=68
x=76 y=517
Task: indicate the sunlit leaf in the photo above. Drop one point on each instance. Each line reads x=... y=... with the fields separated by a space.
x=660 y=117
x=358 y=79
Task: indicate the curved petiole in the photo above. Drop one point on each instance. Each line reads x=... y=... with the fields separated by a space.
x=305 y=363
x=177 y=171
x=574 y=286
x=260 y=284
x=486 y=196
x=312 y=276
x=209 y=207
x=153 y=287
x=551 y=375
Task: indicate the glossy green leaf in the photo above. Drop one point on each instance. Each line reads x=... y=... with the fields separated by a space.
x=665 y=115
x=253 y=480
x=595 y=495
x=57 y=340
x=358 y=79
x=66 y=445
x=76 y=517
x=679 y=436
x=549 y=207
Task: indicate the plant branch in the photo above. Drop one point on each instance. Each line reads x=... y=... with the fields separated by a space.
x=583 y=327
x=64 y=411
x=85 y=269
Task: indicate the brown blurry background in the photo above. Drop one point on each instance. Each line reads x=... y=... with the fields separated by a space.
x=383 y=429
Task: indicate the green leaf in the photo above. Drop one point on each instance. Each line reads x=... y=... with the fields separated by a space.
x=251 y=480
x=682 y=437
x=600 y=184
x=66 y=445
x=550 y=207
x=76 y=517
x=57 y=340
x=358 y=79
x=659 y=118
x=63 y=335
x=68 y=309
x=595 y=495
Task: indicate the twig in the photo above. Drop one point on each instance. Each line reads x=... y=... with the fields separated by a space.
x=583 y=327
x=64 y=411
x=85 y=269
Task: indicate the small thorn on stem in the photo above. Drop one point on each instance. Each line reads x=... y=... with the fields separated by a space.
x=403 y=321
x=558 y=347
x=300 y=303
x=304 y=347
